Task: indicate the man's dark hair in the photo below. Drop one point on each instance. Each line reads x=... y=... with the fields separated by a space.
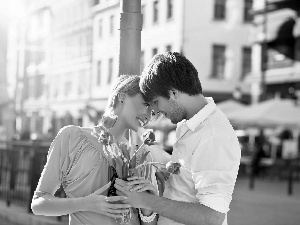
x=168 y=71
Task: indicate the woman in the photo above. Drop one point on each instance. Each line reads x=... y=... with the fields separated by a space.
x=77 y=161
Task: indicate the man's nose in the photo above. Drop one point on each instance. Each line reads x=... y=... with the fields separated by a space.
x=155 y=109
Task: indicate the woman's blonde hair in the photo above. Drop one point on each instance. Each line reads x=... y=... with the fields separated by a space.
x=125 y=84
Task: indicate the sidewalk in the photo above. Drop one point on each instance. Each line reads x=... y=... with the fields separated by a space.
x=16 y=215
x=267 y=204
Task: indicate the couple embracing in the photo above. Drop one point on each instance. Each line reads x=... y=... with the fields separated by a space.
x=206 y=148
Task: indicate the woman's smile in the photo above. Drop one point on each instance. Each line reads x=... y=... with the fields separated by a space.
x=142 y=121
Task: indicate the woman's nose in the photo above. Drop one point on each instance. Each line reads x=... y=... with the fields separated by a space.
x=148 y=112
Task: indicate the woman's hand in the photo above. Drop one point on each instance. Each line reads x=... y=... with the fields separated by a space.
x=139 y=184
x=109 y=206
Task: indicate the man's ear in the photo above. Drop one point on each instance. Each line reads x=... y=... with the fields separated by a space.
x=121 y=97
x=174 y=93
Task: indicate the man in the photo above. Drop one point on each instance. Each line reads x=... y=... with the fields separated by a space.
x=206 y=147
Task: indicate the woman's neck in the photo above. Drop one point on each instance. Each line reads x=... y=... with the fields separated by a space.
x=118 y=130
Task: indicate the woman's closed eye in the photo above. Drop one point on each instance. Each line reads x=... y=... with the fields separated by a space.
x=146 y=104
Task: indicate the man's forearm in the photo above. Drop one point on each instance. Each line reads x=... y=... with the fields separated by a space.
x=184 y=212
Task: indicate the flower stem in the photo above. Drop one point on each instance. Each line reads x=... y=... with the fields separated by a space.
x=136 y=151
x=150 y=163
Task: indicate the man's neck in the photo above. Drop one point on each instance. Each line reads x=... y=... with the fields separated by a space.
x=194 y=104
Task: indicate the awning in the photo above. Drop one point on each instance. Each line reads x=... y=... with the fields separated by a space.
x=296 y=31
x=280 y=25
x=230 y=106
x=269 y=113
x=62 y=109
x=275 y=5
x=281 y=4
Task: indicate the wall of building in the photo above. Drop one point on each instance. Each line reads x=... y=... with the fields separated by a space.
x=279 y=29
x=165 y=32
x=81 y=54
x=106 y=36
x=202 y=31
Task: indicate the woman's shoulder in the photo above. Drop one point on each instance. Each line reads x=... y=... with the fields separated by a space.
x=70 y=131
x=87 y=132
x=72 y=137
x=76 y=132
x=72 y=134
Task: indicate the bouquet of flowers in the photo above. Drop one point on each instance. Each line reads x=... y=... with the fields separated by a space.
x=122 y=164
x=118 y=154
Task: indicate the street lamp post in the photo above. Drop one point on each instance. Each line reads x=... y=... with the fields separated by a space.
x=263 y=86
x=131 y=23
x=264 y=57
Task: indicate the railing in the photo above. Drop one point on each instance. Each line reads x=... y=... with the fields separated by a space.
x=283 y=169
x=21 y=164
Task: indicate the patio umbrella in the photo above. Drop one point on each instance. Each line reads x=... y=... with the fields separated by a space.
x=230 y=106
x=269 y=113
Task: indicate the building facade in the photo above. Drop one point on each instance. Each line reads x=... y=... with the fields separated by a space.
x=276 y=34
x=70 y=54
x=6 y=106
x=50 y=57
x=161 y=32
x=68 y=79
x=216 y=38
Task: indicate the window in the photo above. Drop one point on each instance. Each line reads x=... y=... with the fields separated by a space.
x=155 y=11
x=68 y=87
x=218 y=61
x=98 y=82
x=170 y=9
x=168 y=48
x=142 y=61
x=110 y=70
x=143 y=11
x=100 y=26
x=248 y=17
x=246 y=63
x=220 y=9
x=154 y=51
x=80 y=40
x=111 y=24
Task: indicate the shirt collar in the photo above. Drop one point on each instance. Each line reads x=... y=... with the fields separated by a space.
x=202 y=115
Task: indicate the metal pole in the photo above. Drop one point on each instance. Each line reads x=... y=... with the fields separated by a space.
x=264 y=57
x=131 y=23
x=263 y=86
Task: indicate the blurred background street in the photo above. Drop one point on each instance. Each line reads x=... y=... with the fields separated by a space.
x=59 y=59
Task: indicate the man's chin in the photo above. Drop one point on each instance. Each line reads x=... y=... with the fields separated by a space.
x=174 y=121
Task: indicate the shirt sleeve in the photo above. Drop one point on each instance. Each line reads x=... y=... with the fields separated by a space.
x=214 y=168
x=57 y=161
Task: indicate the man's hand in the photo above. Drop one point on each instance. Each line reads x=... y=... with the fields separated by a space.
x=136 y=195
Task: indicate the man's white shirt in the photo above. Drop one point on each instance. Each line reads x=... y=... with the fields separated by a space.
x=209 y=152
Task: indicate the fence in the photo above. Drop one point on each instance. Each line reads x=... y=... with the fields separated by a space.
x=21 y=164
